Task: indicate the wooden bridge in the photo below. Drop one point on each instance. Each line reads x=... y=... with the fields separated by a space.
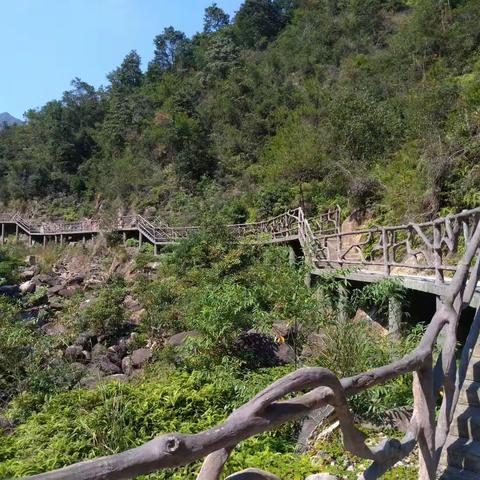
x=443 y=253
x=423 y=256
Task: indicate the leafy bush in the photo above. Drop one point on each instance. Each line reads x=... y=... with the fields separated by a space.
x=83 y=424
x=105 y=315
x=162 y=315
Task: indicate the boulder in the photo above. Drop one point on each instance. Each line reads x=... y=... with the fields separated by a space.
x=141 y=356
x=179 y=338
x=54 y=290
x=362 y=316
x=76 y=279
x=27 y=274
x=30 y=260
x=314 y=345
x=127 y=366
x=98 y=350
x=86 y=340
x=44 y=279
x=92 y=379
x=252 y=474
x=9 y=290
x=114 y=357
x=53 y=328
x=74 y=352
x=257 y=349
x=136 y=317
x=106 y=366
x=131 y=304
x=78 y=368
x=27 y=287
x=5 y=424
x=68 y=292
x=55 y=304
x=285 y=354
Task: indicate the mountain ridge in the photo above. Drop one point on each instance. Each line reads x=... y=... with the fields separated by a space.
x=7 y=119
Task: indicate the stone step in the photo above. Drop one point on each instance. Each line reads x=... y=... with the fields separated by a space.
x=470 y=394
x=456 y=474
x=466 y=422
x=473 y=370
x=463 y=454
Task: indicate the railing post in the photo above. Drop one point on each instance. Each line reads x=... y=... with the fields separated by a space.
x=437 y=254
x=386 y=262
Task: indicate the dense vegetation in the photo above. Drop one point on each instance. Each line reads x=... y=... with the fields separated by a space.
x=292 y=101
x=222 y=290
x=367 y=104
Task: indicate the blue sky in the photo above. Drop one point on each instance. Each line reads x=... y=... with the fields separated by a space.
x=46 y=43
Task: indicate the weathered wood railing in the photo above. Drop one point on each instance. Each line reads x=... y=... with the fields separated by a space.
x=432 y=378
x=431 y=247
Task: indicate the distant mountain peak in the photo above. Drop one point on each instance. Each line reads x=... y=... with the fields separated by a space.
x=7 y=119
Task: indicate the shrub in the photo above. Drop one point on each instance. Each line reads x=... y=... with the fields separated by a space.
x=82 y=424
x=105 y=315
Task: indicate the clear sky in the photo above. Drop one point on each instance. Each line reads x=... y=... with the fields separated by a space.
x=47 y=43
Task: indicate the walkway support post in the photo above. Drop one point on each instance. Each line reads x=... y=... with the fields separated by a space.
x=3 y=234
x=394 y=317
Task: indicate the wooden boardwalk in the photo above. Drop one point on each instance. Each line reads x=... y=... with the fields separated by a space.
x=429 y=249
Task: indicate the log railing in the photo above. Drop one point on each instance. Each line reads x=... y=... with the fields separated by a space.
x=429 y=247
x=434 y=379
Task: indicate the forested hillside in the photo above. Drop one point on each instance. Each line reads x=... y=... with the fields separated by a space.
x=363 y=103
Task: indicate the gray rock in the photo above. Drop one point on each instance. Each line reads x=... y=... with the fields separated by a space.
x=76 y=279
x=114 y=357
x=9 y=290
x=68 y=292
x=127 y=366
x=285 y=354
x=74 y=352
x=252 y=474
x=141 y=356
x=92 y=379
x=27 y=274
x=78 y=367
x=85 y=340
x=179 y=338
x=98 y=350
x=5 y=424
x=28 y=287
x=107 y=366
x=54 y=290
x=30 y=260
x=53 y=328
x=49 y=280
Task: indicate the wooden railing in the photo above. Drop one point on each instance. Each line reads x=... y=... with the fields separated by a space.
x=430 y=247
